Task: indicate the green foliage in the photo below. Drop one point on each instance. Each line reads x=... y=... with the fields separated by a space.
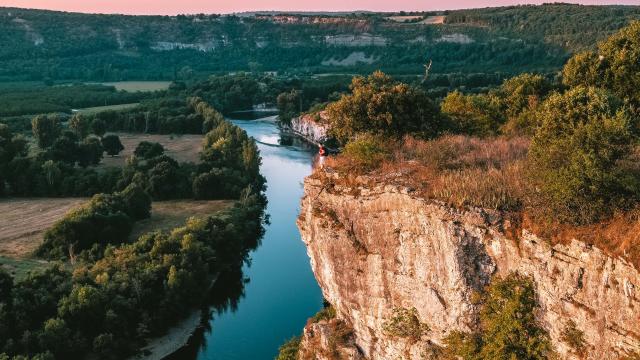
x=614 y=66
x=367 y=151
x=106 y=219
x=148 y=150
x=46 y=129
x=112 y=145
x=289 y=350
x=473 y=114
x=80 y=125
x=382 y=106
x=573 y=337
x=327 y=313
x=405 y=323
x=288 y=106
x=577 y=156
x=90 y=152
x=508 y=327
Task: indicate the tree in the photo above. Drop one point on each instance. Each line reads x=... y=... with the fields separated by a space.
x=45 y=129
x=65 y=148
x=473 y=114
x=288 y=106
x=138 y=202
x=148 y=150
x=80 y=125
x=99 y=127
x=382 y=106
x=112 y=145
x=614 y=66
x=508 y=327
x=90 y=152
x=578 y=156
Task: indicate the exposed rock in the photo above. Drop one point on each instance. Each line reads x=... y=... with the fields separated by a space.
x=328 y=340
x=312 y=127
x=374 y=248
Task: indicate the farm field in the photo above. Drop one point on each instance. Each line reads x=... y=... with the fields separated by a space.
x=183 y=148
x=167 y=215
x=23 y=222
x=134 y=86
x=97 y=109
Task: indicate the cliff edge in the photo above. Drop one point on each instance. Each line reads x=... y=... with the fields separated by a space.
x=375 y=248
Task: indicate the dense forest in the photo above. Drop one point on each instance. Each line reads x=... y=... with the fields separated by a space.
x=108 y=294
x=114 y=47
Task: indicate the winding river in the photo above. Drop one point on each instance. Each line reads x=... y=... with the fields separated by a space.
x=255 y=309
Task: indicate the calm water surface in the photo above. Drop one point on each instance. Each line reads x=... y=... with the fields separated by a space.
x=253 y=310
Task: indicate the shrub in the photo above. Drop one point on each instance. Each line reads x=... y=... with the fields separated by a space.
x=508 y=327
x=112 y=145
x=289 y=350
x=367 y=151
x=148 y=150
x=577 y=157
x=473 y=114
x=382 y=106
x=573 y=337
x=405 y=323
x=327 y=313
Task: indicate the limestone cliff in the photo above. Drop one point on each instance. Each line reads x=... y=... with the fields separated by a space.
x=375 y=248
x=311 y=127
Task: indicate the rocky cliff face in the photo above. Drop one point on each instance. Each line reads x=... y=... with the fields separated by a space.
x=376 y=248
x=311 y=127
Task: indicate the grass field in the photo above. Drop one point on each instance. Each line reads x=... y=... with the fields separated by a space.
x=97 y=109
x=183 y=148
x=134 y=86
x=23 y=222
x=167 y=215
x=19 y=268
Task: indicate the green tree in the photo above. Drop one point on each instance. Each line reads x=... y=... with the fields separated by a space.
x=45 y=130
x=382 y=106
x=508 y=328
x=577 y=156
x=65 y=148
x=80 y=125
x=90 y=152
x=148 y=150
x=614 y=66
x=473 y=114
x=288 y=106
x=112 y=145
x=99 y=127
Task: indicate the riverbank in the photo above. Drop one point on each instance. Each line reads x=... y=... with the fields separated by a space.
x=176 y=338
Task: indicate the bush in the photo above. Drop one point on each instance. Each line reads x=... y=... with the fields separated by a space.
x=577 y=157
x=473 y=114
x=382 y=106
x=508 y=327
x=405 y=323
x=148 y=150
x=112 y=145
x=367 y=151
x=573 y=337
x=289 y=350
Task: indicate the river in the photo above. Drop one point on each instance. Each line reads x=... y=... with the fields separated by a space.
x=253 y=311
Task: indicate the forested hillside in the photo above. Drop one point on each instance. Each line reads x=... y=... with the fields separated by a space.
x=39 y=45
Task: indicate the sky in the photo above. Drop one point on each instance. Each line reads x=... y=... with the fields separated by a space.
x=173 y=7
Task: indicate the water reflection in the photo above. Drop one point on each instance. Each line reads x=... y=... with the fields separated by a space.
x=251 y=319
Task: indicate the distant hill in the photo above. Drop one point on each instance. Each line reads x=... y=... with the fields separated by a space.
x=37 y=44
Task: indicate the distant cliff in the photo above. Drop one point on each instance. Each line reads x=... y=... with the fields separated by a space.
x=375 y=248
x=312 y=127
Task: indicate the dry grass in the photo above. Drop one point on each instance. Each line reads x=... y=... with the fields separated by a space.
x=167 y=215
x=459 y=170
x=490 y=173
x=183 y=148
x=24 y=221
